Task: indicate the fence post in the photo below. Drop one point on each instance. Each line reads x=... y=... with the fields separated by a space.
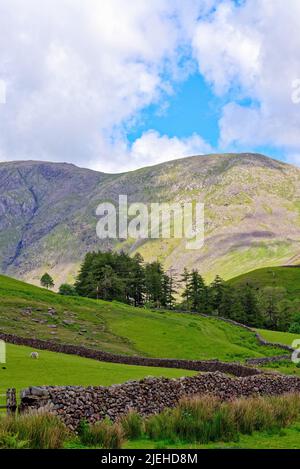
x=11 y=401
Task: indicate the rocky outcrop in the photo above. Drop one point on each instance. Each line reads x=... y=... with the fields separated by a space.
x=148 y=396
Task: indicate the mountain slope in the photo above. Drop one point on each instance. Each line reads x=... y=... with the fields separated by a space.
x=27 y=311
x=284 y=277
x=252 y=214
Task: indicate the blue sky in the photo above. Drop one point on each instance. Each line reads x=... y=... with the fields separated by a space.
x=192 y=108
x=146 y=82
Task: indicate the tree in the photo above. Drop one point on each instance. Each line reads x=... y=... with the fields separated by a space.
x=250 y=305
x=185 y=279
x=216 y=293
x=136 y=288
x=67 y=290
x=270 y=304
x=154 y=283
x=231 y=306
x=295 y=325
x=47 y=281
x=196 y=292
x=168 y=291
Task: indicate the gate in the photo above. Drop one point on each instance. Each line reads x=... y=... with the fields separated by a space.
x=11 y=401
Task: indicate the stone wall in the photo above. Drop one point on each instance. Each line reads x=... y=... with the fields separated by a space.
x=235 y=369
x=265 y=360
x=148 y=396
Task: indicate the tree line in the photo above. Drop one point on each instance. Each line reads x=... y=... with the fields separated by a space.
x=117 y=276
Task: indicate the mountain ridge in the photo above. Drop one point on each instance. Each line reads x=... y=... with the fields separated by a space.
x=47 y=213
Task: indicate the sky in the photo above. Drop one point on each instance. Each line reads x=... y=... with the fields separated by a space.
x=114 y=85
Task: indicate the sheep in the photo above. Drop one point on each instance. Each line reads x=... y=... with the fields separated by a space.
x=34 y=355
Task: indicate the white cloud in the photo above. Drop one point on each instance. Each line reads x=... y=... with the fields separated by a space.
x=226 y=48
x=152 y=148
x=252 y=52
x=78 y=71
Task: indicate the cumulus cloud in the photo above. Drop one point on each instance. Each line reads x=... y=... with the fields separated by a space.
x=78 y=72
x=249 y=53
x=152 y=148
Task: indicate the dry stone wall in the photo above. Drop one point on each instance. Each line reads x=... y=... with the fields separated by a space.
x=148 y=396
x=235 y=369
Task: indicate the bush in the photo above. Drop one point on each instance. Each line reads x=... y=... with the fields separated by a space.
x=38 y=430
x=294 y=328
x=11 y=441
x=67 y=290
x=132 y=425
x=103 y=434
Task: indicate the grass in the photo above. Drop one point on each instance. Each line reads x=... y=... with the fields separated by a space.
x=199 y=422
x=286 y=367
x=52 y=368
x=277 y=337
x=207 y=418
x=35 y=431
x=119 y=328
x=208 y=423
x=103 y=434
x=204 y=422
x=287 y=438
x=286 y=277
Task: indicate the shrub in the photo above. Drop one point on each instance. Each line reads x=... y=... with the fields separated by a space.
x=11 y=441
x=40 y=430
x=132 y=425
x=67 y=290
x=103 y=434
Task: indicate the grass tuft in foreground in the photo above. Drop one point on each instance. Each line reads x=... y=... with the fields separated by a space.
x=34 y=430
x=208 y=419
x=103 y=434
x=201 y=421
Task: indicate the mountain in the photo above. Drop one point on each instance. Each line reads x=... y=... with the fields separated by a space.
x=252 y=214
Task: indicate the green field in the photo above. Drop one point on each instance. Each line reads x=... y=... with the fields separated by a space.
x=284 y=277
x=278 y=337
x=58 y=369
x=119 y=328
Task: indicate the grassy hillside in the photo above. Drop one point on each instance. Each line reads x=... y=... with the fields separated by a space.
x=286 y=277
x=59 y=369
x=277 y=337
x=119 y=328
